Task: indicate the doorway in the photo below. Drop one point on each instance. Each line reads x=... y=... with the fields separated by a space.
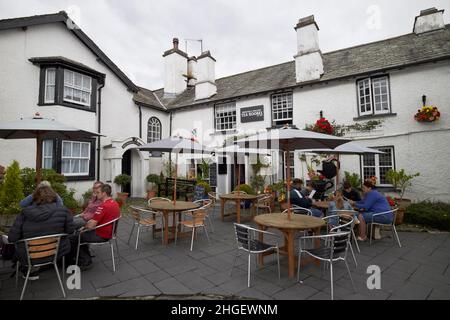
x=234 y=171
x=126 y=169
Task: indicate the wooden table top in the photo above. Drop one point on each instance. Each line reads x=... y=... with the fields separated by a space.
x=238 y=196
x=297 y=222
x=169 y=206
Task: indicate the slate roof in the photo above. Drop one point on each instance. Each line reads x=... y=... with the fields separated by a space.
x=62 y=17
x=147 y=98
x=402 y=51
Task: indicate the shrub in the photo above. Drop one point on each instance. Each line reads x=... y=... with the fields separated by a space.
x=154 y=179
x=400 y=180
x=353 y=179
x=122 y=180
x=205 y=185
x=246 y=188
x=12 y=190
x=258 y=182
x=432 y=214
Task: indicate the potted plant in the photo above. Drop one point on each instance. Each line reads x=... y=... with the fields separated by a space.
x=247 y=189
x=154 y=180
x=401 y=181
x=122 y=180
x=207 y=188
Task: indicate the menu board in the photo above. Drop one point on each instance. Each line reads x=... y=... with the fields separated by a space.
x=213 y=174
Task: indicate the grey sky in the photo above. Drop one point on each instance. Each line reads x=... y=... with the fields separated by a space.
x=241 y=34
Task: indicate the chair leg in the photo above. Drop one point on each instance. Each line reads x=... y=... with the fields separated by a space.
x=248 y=271
x=25 y=284
x=59 y=279
x=112 y=256
x=64 y=269
x=355 y=241
x=176 y=235
x=117 y=249
x=206 y=232
x=131 y=233
x=192 y=238
x=350 y=275
x=331 y=280
x=353 y=255
x=210 y=223
x=371 y=234
x=17 y=273
x=137 y=237
x=396 y=235
x=234 y=261
x=298 y=266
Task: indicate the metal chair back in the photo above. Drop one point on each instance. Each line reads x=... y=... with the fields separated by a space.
x=237 y=192
x=299 y=210
x=158 y=199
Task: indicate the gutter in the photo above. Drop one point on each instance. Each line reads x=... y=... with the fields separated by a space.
x=99 y=127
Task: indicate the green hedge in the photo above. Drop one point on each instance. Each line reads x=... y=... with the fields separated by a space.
x=432 y=214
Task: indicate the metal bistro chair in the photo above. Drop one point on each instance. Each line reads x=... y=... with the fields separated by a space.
x=246 y=239
x=110 y=241
x=349 y=213
x=344 y=218
x=142 y=220
x=41 y=251
x=208 y=205
x=196 y=219
x=334 y=249
x=264 y=203
x=391 y=225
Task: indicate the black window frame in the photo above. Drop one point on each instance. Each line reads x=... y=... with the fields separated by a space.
x=59 y=85
x=57 y=159
x=372 y=100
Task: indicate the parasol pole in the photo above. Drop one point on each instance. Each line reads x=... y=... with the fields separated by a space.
x=38 y=158
x=288 y=175
x=175 y=183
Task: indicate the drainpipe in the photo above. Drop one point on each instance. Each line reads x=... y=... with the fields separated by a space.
x=140 y=122
x=99 y=125
x=170 y=134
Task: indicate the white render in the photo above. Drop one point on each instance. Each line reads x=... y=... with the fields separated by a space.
x=429 y=22
x=192 y=72
x=175 y=71
x=206 y=77
x=308 y=60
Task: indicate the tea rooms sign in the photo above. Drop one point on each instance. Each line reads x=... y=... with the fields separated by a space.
x=252 y=114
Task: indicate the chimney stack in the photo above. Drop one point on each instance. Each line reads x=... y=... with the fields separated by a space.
x=308 y=61
x=429 y=20
x=175 y=70
x=192 y=71
x=206 y=76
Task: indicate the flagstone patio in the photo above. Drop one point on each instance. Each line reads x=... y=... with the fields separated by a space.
x=418 y=270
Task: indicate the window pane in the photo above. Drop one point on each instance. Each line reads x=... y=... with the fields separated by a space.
x=47 y=148
x=66 y=149
x=48 y=163
x=76 y=95
x=65 y=166
x=50 y=93
x=76 y=149
x=85 y=150
x=77 y=78
x=74 y=166
x=84 y=166
x=68 y=93
x=86 y=83
x=68 y=77
x=50 y=76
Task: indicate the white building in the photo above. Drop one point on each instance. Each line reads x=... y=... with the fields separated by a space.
x=384 y=80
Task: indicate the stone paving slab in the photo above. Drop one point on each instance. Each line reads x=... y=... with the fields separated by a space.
x=418 y=270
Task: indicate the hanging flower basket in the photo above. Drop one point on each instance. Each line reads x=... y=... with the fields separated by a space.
x=427 y=114
x=323 y=126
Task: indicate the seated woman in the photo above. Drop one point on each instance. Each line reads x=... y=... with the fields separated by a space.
x=44 y=217
x=372 y=202
x=338 y=204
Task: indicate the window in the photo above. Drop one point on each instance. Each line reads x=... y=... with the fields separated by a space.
x=47 y=154
x=378 y=165
x=75 y=158
x=282 y=108
x=50 y=81
x=225 y=116
x=154 y=130
x=374 y=96
x=77 y=88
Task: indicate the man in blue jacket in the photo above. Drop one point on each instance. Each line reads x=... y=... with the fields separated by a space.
x=299 y=199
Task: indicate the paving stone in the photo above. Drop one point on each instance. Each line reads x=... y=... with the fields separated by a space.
x=252 y=293
x=172 y=286
x=144 y=266
x=195 y=282
x=411 y=291
x=157 y=276
x=439 y=295
x=296 y=292
x=125 y=288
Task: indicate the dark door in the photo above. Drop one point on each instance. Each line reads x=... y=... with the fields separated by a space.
x=234 y=172
x=126 y=168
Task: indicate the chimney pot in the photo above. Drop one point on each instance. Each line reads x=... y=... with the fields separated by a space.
x=175 y=43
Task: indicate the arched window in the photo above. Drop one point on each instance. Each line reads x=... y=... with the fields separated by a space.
x=154 y=130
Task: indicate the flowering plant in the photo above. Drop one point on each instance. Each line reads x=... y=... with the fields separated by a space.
x=391 y=201
x=323 y=126
x=427 y=114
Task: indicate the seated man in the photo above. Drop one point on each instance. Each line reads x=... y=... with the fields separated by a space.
x=350 y=193
x=106 y=212
x=299 y=199
x=93 y=204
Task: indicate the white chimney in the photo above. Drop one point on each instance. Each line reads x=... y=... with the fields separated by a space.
x=308 y=61
x=429 y=20
x=192 y=71
x=206 y=76
x=175 y=70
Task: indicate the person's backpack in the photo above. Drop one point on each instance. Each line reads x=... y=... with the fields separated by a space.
x=7 y=249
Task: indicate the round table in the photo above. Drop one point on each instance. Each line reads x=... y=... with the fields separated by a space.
x=237 y=198
x=168 y=206
x=298 y=222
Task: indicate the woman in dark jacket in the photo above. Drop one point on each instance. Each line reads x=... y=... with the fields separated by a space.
x=44 y=217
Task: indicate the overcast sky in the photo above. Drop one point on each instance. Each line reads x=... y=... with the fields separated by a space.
x=241 y=34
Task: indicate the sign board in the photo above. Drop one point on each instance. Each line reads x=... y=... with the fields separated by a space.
x=213 y=174
x=252 y=114
x=199 y=193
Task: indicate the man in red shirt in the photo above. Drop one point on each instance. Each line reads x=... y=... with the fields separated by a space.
x=106 y=212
